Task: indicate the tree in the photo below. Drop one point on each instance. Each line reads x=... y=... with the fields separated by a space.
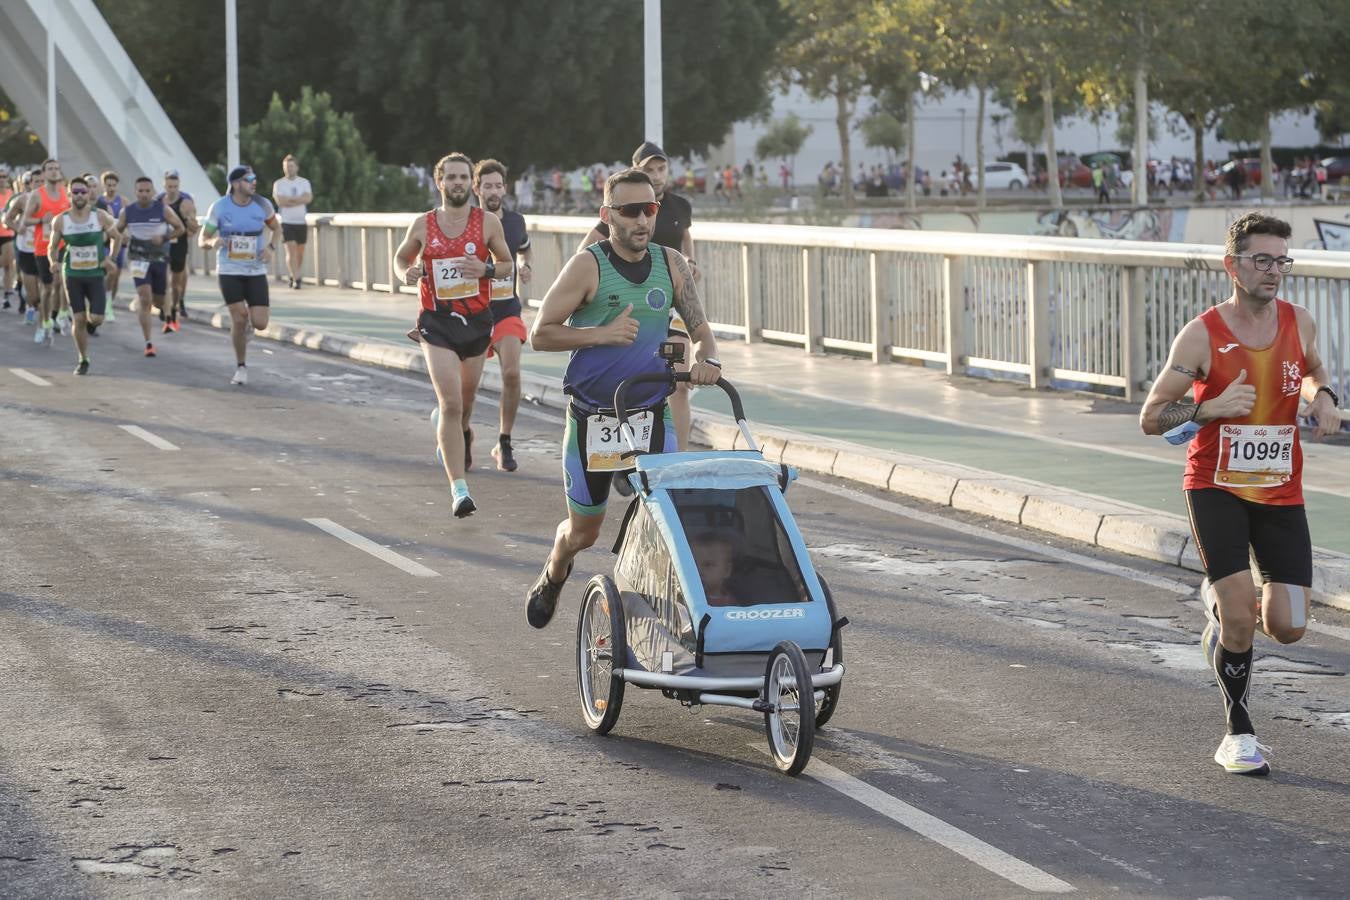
x=1293 y=71
x=1042 y=48
x=964 y=56
x=830 y=52
x=533 y=82
x=783 y=140
x=19 y=144
x=880 y=128
x=335 y=157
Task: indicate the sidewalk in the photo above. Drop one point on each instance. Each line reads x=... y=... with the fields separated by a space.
x=1071 y=464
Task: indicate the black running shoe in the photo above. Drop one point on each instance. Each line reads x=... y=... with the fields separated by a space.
x=622 y=486
x=468 y=449
x=506 y=460
x=82 y=368
x=91 y=329
x=543 y=598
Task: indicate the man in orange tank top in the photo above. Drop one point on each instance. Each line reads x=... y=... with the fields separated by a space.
x=47 y=201
x=451 y=255
x=1249 y=360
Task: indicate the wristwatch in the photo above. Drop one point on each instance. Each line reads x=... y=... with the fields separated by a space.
x=1335 y=398
x=491 y=271
x=712 y=362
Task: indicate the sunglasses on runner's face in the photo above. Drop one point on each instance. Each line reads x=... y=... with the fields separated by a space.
x=76 y=190
x=1263 y=261
x=633 y=210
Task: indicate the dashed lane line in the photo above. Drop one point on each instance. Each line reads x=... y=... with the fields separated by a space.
x=153 y=440
x=986 y=856
x=31 y=378
x=361 y=542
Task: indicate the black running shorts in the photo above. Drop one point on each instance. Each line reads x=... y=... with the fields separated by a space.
x=1225 y=526
x=250 y=289
x=468 y=336
x=87 y=294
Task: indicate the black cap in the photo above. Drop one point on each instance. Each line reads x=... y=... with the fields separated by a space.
x=239 y=172
x=647 y=151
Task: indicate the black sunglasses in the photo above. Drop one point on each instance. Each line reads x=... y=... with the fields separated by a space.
x=633 y=210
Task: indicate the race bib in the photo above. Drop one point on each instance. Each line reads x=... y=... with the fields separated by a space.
x=450 y=281
x=139 y=267
x=243 y=247
x=82 y=259
x=605 y=444
x=1255 y=455
x=503 y=288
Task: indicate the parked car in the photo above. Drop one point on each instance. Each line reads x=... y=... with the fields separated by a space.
x=1337 y=167
x=1250 y=163
x=1005 y=175
x=1075 y=171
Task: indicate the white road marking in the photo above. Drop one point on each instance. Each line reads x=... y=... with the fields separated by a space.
x=374 y=549
x=153 y=440
x=1029 y=546
x=31 y=378
x=986 y=856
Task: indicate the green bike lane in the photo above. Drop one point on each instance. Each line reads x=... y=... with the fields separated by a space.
x=1150 y=484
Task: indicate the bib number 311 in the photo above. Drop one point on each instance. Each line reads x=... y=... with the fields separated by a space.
x=605 y=445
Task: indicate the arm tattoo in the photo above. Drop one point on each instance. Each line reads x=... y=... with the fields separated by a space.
x=687 y=302
x=1189 y=373
x=1176 y=413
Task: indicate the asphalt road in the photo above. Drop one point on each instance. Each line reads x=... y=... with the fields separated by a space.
x=205 y=692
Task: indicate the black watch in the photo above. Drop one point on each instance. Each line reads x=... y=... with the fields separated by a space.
x=1335 y=398
x=491 y=269
x=712 y=362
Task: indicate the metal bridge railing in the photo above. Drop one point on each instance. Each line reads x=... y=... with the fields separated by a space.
x=1056 y=312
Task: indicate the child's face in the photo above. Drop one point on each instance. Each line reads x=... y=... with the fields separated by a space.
x=714 y=562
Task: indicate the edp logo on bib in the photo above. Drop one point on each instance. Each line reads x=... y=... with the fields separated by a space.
x=656 y=298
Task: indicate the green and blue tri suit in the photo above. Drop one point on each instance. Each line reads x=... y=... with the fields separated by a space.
x=593 y=374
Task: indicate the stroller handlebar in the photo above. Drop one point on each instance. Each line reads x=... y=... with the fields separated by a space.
x=621 y=406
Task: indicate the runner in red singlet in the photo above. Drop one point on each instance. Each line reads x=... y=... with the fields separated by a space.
x=1250 y=360
x=452 y=253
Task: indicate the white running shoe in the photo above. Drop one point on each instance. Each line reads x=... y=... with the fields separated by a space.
x=110 y=314
x=1241 y=755
x=240 y=376
x=39 y=335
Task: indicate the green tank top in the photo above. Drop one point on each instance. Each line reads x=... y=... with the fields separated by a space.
x=594 y=372
x=85 y=247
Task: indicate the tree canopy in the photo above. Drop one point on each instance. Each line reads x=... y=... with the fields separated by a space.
x=531 y=82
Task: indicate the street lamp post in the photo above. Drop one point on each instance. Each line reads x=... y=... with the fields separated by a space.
x=231 y=85
x=651 y=41
x=51 y=85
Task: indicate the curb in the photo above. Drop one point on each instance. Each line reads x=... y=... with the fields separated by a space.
x=1086 y=518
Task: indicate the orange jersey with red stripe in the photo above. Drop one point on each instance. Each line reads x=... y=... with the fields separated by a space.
x=1258 y=456
x=48 y=204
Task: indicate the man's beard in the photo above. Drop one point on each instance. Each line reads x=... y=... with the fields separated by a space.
x=449 y=199
x=493 y=204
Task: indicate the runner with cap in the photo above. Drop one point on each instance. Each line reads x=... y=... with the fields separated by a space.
x=452 y=254
x=150 y=226
x=243 y=229
x=85 y=234
x=508 y=328
x=185 y=208
x=112 y=203
x=671 y=230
